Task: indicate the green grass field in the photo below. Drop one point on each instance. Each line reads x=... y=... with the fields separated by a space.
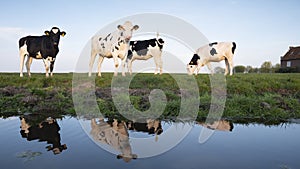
x=250 y=97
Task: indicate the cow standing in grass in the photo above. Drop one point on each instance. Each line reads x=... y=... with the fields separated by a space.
x=213 y=52
x=40 y=47
x=114 y=45
x=144 y=50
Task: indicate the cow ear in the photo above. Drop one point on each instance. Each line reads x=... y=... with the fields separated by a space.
x=47 y=32
x=120 y=27
x=135 y=27
x=63 y=33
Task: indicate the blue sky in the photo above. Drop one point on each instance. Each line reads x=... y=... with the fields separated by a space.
x=263 y=30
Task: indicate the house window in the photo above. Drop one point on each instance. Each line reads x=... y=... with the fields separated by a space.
x=288 y=64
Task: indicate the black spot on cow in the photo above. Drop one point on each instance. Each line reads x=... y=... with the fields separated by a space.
x=129 y=55
x=102 y=44
x=142 y=47
x=214 y=43
x=160 y=43
x=233 y=47
x=160 y=40
x=117 y=47
x=142 y=52
x=152 y=43
x=120 y=42
x=119 y=38
x=100 y=39
x=106 y=37
x=52 y=66
x=213 y=51
x=121 y=33
x=194 y=59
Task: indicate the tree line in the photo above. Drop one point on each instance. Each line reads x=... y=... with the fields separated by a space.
x=266 y=67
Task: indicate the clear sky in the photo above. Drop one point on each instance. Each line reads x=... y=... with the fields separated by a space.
x=262 y=29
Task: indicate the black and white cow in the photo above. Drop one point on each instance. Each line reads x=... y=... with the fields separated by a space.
x=144 y=50
x=114 y=45
x=213 y=52
x=40 y=47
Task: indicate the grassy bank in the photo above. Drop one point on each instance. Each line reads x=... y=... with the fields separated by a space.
x=254 y=97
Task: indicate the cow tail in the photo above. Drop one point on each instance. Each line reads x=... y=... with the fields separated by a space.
x=233 y=47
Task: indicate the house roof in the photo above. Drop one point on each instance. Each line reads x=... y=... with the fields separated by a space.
x=292 y=54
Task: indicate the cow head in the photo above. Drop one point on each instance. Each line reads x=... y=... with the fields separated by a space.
x=57 y=149
x=127 y=158
x=55 y=34
x=126 y=30
x=193 y=64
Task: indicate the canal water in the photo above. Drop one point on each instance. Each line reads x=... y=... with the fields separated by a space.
x=70 y=142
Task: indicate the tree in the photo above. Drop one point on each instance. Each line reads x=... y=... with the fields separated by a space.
x=256 y=70
x=219 y=70
x=266 y=67
x=249 y=69
x=239 y=69
x=276 y=68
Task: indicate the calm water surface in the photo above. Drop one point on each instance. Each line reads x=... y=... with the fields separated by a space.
x=63 y=143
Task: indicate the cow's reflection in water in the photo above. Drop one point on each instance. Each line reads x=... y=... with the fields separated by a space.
x=221 y=125
x=115 y=134
x=47 y=130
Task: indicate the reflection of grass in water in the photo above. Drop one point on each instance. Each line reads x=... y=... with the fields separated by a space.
x=261 y=97
x=28 y=155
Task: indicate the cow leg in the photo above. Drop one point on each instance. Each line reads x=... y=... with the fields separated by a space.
x=130 y=65
x=99 y=65
x=46 y=66
x=23 y=53
x=92 y=60
x=197 y=69
x=160 y=67
x=116 y=62
x=230 y=61
x=226 y=66
x=123 y=66
x=210 y=68
x=28 y=64
x=21 y=65
x=158 y=63
x=51 y=68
